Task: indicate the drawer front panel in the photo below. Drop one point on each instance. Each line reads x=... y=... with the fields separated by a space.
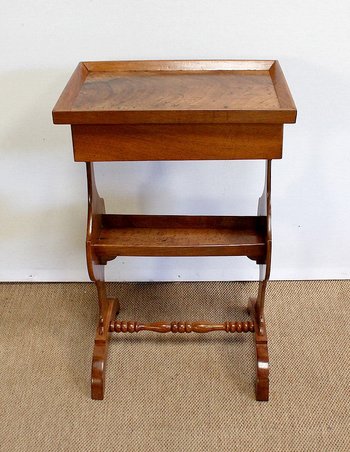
x=129 y=142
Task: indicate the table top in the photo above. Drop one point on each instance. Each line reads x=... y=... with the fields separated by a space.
x=139 y=92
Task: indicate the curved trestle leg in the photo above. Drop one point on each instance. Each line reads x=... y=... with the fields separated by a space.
x=110 y=308
x=256 y=307
x=262 y=356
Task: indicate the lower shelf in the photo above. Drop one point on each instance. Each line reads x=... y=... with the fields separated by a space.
x=173 y=235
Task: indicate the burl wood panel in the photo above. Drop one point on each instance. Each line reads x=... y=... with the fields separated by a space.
x=131 y=142
x=194 y=90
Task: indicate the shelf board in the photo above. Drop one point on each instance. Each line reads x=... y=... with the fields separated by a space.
x=170 y=235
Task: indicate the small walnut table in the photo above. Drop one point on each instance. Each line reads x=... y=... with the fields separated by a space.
x=176 y=110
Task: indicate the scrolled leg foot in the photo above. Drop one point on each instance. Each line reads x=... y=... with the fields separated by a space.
x=98 y=371
x=262 y=390
x=262 y=355
x=262 y=373
x=99 y=356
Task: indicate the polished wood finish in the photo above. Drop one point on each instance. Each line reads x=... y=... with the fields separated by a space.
x=123 y=326
x=111 y=235
x=167 y=92
x=179 y=65
x=108 y=307
x=264 y=211
x=134 y=142
x=71 y=91
x=173 y=235
x=262 y=354
x=176 y=110
x=285 y=99
x=176 y=90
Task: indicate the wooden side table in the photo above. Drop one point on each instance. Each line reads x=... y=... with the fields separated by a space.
x=176 y=110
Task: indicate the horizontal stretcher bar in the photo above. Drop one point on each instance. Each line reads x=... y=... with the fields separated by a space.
x=123 y=326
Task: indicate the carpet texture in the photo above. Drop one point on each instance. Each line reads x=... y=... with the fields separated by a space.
x=174 y=392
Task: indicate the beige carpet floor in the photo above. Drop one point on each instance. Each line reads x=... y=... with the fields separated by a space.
x=174 y=392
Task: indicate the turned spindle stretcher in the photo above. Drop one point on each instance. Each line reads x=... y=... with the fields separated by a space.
x=176 y=110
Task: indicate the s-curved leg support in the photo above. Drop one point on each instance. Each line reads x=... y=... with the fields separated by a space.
x=99 y=356
x=256 y=307
x=108 y=307
x=264 y=210
x=262 y=356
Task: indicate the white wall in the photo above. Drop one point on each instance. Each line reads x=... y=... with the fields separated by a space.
x=43 y=193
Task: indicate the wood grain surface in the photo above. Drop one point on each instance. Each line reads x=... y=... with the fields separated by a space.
x=193 y=90
x=176 y=110
x=136 y=142
x=139 y=92
x=172 y=235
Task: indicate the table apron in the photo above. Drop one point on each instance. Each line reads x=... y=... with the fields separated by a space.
x=137 y=142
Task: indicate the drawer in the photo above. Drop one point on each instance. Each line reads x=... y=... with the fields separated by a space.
x=137 y=142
